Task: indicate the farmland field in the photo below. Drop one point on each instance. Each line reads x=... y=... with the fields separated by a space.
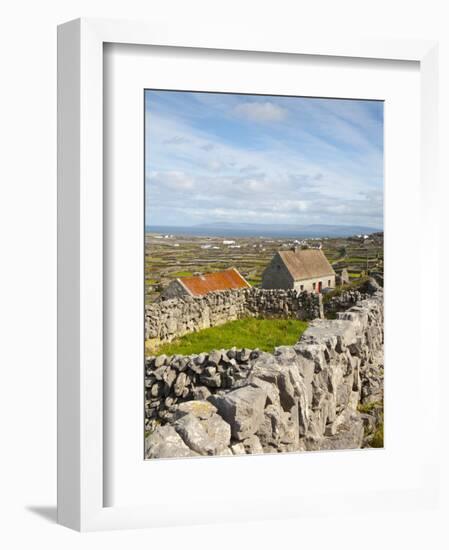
x=170 y=256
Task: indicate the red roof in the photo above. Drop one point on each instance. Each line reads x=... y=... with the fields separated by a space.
x=211 y=282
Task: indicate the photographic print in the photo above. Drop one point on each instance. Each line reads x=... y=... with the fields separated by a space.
x=263 y=274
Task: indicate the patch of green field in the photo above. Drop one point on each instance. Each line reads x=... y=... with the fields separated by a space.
x=264 y=334
x=253 y=282
x=181 y=274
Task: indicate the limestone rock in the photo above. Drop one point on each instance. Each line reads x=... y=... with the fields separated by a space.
x=271 y=390
x=269 y=431
x=180 y=383
x=238 y=449
x=201 y=428
x=194 y=435
x=169 y=377
x=200 y=409
x=164 y=442
x=219 y=431
x=243 y=409
x=200 y=393
x=212 y=381
x=160 y=360
x=252 y=445
x=348 y=436
x=214 y=357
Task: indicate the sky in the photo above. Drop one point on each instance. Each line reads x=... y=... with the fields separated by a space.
x=262 y=159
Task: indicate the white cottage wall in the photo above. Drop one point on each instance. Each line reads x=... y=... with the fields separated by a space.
x=327 y=281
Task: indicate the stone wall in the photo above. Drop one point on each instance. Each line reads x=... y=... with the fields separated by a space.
x=302 y=397
x=169 y=319
x=342 y=302
x=346 y=299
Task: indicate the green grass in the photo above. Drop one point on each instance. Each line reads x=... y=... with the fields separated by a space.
x=253 y=282
x=368 y=407
x=359 y=259
x=264 y=334
x=378 y=438
x=181 y=274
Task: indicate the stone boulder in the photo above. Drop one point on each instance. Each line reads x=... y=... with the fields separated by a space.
x=200 y=409
x=164 y=442
x=349 y=435
x=252 y=445
x=242 y=409
x=194 y=435
x=201 y=429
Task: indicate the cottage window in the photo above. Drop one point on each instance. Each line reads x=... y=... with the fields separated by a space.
x=329 y=282
x=314 y=286
x=301 y=288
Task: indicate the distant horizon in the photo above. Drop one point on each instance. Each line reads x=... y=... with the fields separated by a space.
x=376 y=229
x=266 y=231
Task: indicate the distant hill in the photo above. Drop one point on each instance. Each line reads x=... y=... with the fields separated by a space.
x=226 y=229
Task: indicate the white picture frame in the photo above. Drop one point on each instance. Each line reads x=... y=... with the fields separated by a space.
x=82 y=393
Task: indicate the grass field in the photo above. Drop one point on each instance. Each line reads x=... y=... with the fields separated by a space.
x=264 y=334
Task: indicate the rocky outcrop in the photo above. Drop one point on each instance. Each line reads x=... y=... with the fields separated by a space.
x=170 y=319
x=325 y=392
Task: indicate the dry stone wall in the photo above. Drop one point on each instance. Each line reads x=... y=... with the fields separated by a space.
x=301 y=397
x=349 y=297
x=169 y=319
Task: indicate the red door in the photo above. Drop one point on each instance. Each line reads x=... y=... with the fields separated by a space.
x=320 y=284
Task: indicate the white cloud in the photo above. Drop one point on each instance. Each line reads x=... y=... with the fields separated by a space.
x=175 y=180
x=215 y=165
x=338 y=208
x=260 y=112
x=208 y=146
x=176 y=140
x=255 y=184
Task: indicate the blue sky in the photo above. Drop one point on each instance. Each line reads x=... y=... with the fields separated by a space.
x=262 y=159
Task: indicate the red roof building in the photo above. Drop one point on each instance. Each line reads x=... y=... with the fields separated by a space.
x=199 y=285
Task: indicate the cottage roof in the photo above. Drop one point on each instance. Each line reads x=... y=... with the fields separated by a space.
x=306 y=264
x=211 y=282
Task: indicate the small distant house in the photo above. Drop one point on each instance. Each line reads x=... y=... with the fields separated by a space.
x=299 y=269
x=199 y=285
x=343 y=277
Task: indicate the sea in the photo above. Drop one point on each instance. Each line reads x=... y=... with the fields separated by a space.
x=248 y=232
